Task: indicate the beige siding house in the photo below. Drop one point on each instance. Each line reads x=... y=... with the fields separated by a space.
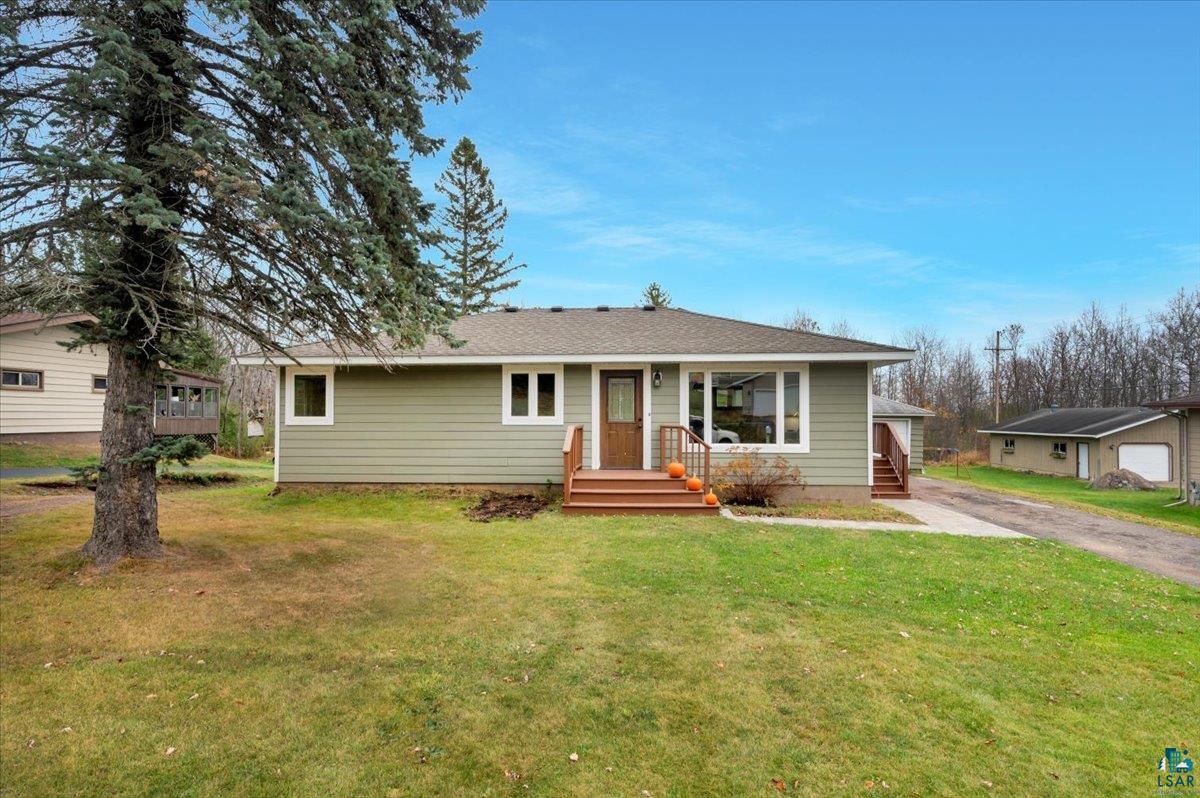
x=1186 y=410
x=51 y=395
x=47 y=392
x=1088 y=442
x=598 y=400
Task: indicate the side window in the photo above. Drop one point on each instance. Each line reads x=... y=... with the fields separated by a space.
x=160 y=400
x=309 y=395
x=195 y=401
x=99 y=384
x=210 y=402
x=531 y=395
x=21 y=380
x=1058 y=449
x=1010 y=444
x=178 y=401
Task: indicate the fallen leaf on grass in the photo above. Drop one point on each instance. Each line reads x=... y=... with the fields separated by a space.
x=512 y=775
x=574 y=757
x=905 y=635
x=779 y=784
x=170 y=751
x=193 y=696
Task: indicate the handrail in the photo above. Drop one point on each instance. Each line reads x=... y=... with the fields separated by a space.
x=572 y=458
x=679 y=444
x=887 y=441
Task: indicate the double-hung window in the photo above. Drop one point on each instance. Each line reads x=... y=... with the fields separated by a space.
x=1010 y=444
x=766 y=408
x=531 y=395
x=309 y=395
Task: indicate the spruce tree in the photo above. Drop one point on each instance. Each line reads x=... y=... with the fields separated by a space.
x=169 y=163
x=654 y=294
x=472 y=225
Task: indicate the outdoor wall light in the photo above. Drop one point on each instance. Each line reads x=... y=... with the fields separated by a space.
x=656 y=379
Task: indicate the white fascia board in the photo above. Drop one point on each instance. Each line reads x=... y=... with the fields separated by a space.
x=1071 y=434
x=875 y=358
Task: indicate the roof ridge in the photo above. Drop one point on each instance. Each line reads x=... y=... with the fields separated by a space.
x=794 y=332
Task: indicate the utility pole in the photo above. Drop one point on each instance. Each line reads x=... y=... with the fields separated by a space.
x=996 y=350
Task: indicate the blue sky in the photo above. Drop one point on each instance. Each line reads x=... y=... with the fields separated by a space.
x=962 y=166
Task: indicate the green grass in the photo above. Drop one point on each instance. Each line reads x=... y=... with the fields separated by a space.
x=41 y=455
x=831 y=511
x=1141 y=506
x=377 y=643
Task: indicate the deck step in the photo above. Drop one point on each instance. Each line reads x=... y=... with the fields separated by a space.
x=638 y=508
x=635 y=496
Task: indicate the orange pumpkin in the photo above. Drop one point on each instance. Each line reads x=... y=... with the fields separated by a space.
x=694 y=483
x=710 y=498
x=675 y=470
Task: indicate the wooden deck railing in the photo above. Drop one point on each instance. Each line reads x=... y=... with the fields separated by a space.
x=677 y=443
x=572 y=457
x=887 y=441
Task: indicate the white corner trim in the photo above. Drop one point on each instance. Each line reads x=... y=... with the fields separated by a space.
x=870 y=426
x=646 y=410
x=290 y=417
x=278 y=416
x=778 y=447
x=506 y=416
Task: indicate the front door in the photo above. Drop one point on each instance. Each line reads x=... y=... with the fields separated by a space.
x=1083 y=469
x=620 y=419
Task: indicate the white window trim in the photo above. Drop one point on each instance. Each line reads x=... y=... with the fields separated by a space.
x=291 y=419
x=779 y=368
x=506 y=416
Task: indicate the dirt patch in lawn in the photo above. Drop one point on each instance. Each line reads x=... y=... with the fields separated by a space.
x=501 y=505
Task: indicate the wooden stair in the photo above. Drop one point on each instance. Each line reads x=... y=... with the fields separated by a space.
x=613 y=492
x=887 y=483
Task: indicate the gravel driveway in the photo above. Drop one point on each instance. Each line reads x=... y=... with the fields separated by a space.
x=1174 y=555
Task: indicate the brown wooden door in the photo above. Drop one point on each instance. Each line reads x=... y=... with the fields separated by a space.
x=621 y=419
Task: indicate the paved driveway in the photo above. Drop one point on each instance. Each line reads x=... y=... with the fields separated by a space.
x=1174 y=555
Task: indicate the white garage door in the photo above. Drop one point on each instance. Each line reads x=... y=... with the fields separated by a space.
x=1151 y=460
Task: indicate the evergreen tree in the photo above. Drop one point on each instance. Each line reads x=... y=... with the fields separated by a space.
x=175 y=162
x=473 y=233
x=654 y=294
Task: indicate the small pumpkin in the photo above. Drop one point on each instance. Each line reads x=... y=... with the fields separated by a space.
x=675 y=470
x=710 y=498
x=694 y=483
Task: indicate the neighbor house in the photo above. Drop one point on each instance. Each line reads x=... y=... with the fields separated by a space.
x=1187 y=410
x=598 y=400
x=49 y=394
x=1087 y=442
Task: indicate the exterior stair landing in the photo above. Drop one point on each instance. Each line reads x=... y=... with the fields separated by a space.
x=630 y=492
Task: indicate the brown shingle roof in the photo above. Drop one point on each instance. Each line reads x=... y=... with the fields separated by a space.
x=1187 y=400
x=618 y=331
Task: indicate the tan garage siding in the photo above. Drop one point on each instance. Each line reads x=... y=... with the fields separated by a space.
x=429 y=424
x=1193 y=444
x=1033 y=452
x=67 y=402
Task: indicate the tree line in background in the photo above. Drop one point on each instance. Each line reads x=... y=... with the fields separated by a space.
x=1098 y=359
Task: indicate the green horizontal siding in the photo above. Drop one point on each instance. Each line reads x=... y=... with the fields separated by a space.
x=442 y=424
x=429 y=424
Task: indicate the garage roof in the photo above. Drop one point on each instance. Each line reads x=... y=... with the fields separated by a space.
x=1077 y=422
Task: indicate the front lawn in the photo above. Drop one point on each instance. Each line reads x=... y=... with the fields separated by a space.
x=1147 y=507
x=48 y=455
x=377 y=643
x=833 y=511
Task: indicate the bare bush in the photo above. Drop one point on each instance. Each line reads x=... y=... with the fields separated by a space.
x=752 y=479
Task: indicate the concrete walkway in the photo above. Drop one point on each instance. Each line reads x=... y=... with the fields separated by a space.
x=934 y=519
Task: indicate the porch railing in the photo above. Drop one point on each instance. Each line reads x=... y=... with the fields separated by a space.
x=677 y=443
x=887 y=442
x=572 y=457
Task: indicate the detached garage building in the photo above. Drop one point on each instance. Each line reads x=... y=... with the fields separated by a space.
x=1086 y=442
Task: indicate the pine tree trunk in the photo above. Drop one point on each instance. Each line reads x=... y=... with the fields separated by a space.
x=126 y=518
